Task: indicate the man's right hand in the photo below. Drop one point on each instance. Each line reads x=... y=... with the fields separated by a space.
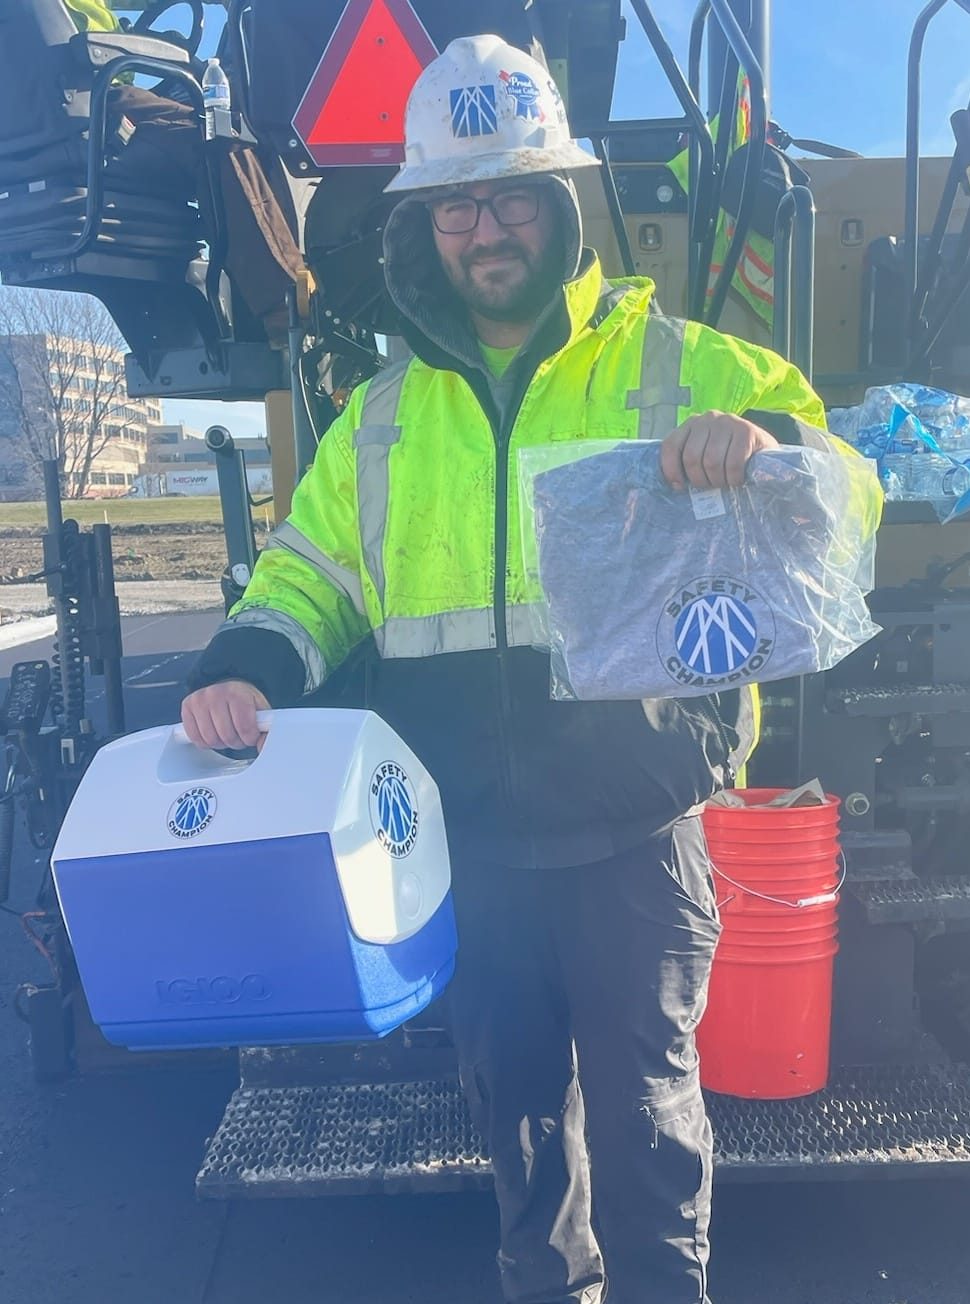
x=224 y=715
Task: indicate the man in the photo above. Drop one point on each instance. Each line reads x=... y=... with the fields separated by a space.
x=586 y=914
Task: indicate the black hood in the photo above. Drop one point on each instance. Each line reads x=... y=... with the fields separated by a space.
x=434 y=322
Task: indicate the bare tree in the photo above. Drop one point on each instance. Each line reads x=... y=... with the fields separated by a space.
x=63 y=386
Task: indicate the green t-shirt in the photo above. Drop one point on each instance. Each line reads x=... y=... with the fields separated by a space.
x=497 y=360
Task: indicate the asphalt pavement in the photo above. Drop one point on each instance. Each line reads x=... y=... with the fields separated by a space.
x=97 y=1202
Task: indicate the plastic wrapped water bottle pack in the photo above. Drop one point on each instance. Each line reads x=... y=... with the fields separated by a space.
x=919 y=438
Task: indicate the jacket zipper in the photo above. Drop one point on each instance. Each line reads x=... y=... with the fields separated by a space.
x=502 y=433
x=503 y=442
x=510 y=774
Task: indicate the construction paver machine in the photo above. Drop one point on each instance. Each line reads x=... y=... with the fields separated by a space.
x=241 y=261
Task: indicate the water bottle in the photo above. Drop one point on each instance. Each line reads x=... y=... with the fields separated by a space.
x=217 y=96
x=934 y=478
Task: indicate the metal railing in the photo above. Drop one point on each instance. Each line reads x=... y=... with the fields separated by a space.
x=793 y=322
x=911 y=209
x=740 y=59
x=702 y=213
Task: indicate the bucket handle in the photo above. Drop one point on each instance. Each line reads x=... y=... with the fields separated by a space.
x=822 y=899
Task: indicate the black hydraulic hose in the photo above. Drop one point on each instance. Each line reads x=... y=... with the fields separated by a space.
x=742 y=55
x=8 y=813
x=700 y=143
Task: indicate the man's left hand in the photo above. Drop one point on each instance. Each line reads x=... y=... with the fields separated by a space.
x=711 y=451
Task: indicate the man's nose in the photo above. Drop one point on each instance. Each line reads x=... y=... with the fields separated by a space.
x=489 y=229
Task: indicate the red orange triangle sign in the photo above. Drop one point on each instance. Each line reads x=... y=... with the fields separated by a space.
x=353 y=109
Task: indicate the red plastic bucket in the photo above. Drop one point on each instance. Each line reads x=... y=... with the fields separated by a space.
x=778 y=871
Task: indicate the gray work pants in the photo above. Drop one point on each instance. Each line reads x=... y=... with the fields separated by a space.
x=573 y=1010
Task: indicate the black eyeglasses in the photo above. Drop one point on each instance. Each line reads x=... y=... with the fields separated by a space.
x=459 y=214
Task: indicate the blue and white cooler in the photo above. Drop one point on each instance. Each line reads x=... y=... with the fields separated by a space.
x=303 y=896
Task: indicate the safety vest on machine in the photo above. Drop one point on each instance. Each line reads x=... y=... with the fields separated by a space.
x=93 y=15
x=408 y=523
x=754 y=277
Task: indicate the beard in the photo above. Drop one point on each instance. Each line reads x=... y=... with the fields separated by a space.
x=509 y=293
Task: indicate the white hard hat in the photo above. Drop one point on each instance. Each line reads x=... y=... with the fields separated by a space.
x=482 y=111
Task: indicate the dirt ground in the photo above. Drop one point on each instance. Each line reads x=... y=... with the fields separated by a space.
x=188 y=550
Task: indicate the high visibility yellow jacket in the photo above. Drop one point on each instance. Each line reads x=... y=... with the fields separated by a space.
x=407 y=528
x=93 y=15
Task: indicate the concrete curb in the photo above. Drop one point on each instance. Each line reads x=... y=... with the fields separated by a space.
x=19 y=632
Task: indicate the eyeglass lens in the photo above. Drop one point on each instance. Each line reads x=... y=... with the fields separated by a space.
x=459 y=214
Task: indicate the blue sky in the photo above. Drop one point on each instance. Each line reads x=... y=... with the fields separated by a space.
x=838 y=74
x=838 y=70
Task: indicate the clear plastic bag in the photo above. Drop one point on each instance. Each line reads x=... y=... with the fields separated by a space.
x=650 y=592
x=919 y=438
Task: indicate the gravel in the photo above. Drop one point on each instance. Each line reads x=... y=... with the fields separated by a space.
x=136 y=597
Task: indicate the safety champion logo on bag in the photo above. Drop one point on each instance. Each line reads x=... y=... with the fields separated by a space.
x=394 y=810
x=191 y=813
x=715 y=632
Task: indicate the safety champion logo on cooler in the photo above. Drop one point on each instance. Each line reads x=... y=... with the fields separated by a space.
x=716 y=632
x=526 y=94
x=473 y=112
x=394 y=810
x=191 y=813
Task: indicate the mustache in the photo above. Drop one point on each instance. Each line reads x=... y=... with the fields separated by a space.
x=509 y=249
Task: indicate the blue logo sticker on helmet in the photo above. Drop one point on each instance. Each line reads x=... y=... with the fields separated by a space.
x=715 y=631
x=525 y=93
x=192 y=812
x=474 y=112
x=394 y=810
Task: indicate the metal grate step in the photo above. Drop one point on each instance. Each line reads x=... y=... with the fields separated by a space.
x=902 y=699
x=413 y=1137
x=913 y=900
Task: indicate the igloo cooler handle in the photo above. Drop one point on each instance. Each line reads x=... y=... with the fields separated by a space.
x=263 y=722
x=181 y=761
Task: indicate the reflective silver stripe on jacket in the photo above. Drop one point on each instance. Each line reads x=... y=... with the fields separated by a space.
x=471 y=630
x=527 y=624
x=428 y=636
x=347 y=582
x=280 y=623
x=383 y=395
x=375 y=437
x=660 y=393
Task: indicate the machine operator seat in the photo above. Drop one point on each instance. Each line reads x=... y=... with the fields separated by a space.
x=47 y=70
x=163 y=196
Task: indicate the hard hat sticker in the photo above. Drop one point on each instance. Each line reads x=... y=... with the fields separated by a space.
x=394 y=810
x=716 y=631
x=560 y=107
x=526 y=94
x=474 y=112
x=192 y=812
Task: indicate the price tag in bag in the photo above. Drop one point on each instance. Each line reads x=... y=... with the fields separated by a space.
x=707 y=503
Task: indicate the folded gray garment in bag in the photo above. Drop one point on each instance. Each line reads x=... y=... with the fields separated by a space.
x=647 y=600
